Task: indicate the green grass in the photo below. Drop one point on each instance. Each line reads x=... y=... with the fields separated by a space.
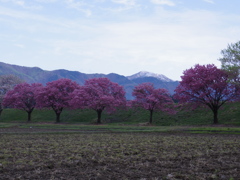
x=228 y=115
x=111 y=128
x=218 y=130
x=8 y=125
x=48 y=116
x=94 y=128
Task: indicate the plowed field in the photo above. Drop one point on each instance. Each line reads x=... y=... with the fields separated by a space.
x=101 y=156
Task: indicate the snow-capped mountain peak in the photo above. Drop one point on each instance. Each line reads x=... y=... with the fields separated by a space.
x=149 y=74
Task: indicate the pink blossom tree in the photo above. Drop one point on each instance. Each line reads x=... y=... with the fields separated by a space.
x=151 y=99
x=56 y=95
x=99 y=94
x=207 y=85
x=22 y=97
x=7 y=82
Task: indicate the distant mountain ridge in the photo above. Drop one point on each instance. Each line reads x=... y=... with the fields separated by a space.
x=36 y=74
x=143 y=74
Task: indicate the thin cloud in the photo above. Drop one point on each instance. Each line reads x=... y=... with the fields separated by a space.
x=117 y=10
x=163 y=2
x=144 y=40
x=27 y=16
x=23 y=4
x=20 y=45
x=125 y=2
x=46 y=1
x=210 y=1
x=80 y=6
x=20 y=3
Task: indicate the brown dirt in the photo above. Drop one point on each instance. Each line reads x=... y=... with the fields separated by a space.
x=101 y=156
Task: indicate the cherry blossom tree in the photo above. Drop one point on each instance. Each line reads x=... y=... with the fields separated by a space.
x=7 y=82
x=99 y=94
x=151 y=99
x=22 y=97
x=56 y=95
x=207 y=85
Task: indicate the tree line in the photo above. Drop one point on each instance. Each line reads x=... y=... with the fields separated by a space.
x=204 y=85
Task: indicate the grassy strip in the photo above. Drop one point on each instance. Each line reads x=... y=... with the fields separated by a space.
x=101 y=128
x=116 y=128
x=216 y=130
x=229 y=115
x=229 y=129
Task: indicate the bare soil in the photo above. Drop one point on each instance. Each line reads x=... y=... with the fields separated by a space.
x=33 y=153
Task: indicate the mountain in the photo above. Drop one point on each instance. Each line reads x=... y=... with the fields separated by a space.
x=143 y=74
x=159 y=80
x=170 y=86
x=35 y=74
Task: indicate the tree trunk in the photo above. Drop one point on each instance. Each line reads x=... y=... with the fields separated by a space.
x=99 y=113
x=1 y=110
x=215 y=116
x=151 y=115
x=58 y=117
x=29 y=116
x=58 y=112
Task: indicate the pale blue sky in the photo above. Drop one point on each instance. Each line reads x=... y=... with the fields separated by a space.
x=120 y=36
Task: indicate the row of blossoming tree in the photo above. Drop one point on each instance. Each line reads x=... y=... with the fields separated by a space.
x=97 y=94
x=203 y=84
